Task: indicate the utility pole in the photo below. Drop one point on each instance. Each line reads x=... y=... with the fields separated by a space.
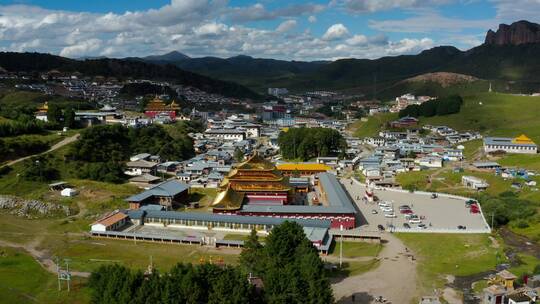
x=63 y=275
x=341 y=247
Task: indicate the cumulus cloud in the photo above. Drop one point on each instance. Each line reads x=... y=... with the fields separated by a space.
x=210 y=29
x=258 y=12
x=194 y=27
x=286 y=26
x=357 y=40
x=335 y=32
x=370 y=6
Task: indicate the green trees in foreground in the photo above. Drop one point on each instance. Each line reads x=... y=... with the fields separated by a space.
x=101 y=151
x=288 y=265
x=307 y=143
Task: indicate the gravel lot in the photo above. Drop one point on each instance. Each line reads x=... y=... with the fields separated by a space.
x=443 y=213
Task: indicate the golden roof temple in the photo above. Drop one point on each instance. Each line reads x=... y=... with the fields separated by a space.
x=523 y=140
x=228 y=200
x=157 y=104
x=257 y=179
x=44 y=108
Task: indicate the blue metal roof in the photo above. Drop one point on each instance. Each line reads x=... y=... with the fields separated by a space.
x=166 y=188
x=222 y=218
x=335 y=194
x=504 y=141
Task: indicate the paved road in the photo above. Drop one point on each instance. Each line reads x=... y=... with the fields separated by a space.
x=63 y=142
x=394 y=279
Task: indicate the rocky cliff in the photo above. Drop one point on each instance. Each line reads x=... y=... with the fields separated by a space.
x=520 y=32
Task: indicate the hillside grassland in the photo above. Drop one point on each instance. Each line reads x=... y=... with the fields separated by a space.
x=23 y=280
x=450 y=254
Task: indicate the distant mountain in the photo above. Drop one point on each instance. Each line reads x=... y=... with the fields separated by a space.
x=256 y=73
x=169 y=57
x=517 y=33
x=122 y=69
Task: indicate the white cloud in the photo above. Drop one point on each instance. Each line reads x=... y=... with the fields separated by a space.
x=312 y=19
x=370 y=6
x=195 y=27
x=286 y=26
x=335 y=32
x=425 y=21
x=81 y=49
x=357 y=40
x=410 y=46
x=210 y=29
x=259 y=12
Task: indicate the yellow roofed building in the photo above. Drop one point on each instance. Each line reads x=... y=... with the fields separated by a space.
x=302 y=169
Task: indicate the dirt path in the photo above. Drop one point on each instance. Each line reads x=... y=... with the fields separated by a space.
x=41 y=256
x=394 y=279
x=63 y=142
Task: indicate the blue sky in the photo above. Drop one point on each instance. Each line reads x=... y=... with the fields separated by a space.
x=300 y=30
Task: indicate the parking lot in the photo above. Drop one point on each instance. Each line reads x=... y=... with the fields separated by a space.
x=441 y=214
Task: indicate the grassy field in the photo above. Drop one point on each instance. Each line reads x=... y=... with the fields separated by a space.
x=373 y=125
x=23 y=280
x=450 y=254
x=353 y=268
x=356 y=249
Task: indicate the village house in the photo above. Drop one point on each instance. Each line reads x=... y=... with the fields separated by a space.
x=474 y=182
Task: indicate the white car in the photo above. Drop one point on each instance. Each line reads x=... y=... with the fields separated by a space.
x=384 y=204
x=415 y=221
x=391 y=215
x=387 y=209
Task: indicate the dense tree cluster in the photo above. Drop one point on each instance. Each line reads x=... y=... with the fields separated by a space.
x=11 y=148
x=15 y=128
x=288 y=265
x=40 y=169
x=306 y=143
x=101 y=151
x=437 y=107
x=507 y=207
x=184 y=283
x=156 y=140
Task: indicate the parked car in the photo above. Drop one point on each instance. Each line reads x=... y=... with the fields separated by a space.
x=384 y=204
x=422 y=226
x=374 y=211
x=381 y=227
x=387 y=209
x=411 y=216
x=461 y=227
x=415 y=221
x=406 y=211
x=404 y=207
x=434 y=195
x=405 y=225
x=390 y=215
